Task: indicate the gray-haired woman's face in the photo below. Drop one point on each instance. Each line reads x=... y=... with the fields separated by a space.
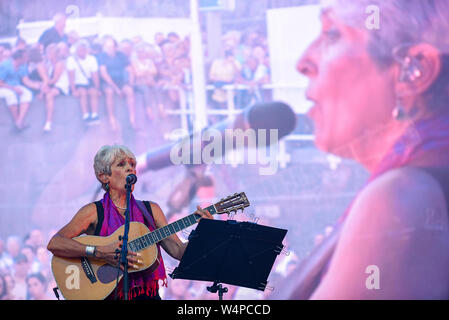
x=121 y=167
x=350 y=93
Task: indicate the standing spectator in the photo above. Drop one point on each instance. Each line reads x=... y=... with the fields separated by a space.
x=12 y=74
x=144 y=70
x=84 y=79
x=56 y=33
x=37 y=287
x=113 y=65
x=20 y=272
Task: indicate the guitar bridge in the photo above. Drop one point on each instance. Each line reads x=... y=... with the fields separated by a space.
x=87 y=267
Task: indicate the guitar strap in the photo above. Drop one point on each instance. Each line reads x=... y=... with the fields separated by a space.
x=100 y=217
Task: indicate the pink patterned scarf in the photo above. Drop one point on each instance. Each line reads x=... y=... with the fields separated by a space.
x=143 y=282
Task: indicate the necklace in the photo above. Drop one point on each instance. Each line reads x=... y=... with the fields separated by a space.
x=117 y=205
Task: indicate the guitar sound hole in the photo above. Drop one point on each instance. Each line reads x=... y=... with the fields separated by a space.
x=107 y=273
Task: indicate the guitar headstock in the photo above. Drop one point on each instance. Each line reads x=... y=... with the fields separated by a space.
x=237 y=201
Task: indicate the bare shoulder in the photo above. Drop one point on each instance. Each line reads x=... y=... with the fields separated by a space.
x=404 y=197
x=158 y=215
x=398 y=224
x=84 y=221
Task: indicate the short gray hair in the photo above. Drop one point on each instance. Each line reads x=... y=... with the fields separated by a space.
x=403 y=22
x=106 y=156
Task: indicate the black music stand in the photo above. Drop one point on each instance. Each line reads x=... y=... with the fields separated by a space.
x=230 y=252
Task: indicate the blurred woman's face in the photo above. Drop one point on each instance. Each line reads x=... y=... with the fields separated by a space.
x=351 y=95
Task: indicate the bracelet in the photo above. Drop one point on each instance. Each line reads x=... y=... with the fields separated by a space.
x=90 y=251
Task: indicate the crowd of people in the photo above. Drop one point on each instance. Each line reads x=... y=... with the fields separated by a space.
x=25 y=272
x=63 y=64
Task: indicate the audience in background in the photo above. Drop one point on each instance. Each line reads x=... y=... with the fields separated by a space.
x=84 y=80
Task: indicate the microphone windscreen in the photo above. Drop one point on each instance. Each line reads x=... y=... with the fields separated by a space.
x=273 y=115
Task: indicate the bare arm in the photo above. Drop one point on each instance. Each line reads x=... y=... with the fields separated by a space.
x=105 y=75
x=84 y=221
x=394 y=242
x=173 y=245
x=62 y=243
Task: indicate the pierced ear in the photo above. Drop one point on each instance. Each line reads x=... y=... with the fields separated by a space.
x=103 y=178
x=418 y=70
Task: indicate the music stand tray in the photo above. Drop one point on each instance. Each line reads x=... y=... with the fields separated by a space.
x=230 y=252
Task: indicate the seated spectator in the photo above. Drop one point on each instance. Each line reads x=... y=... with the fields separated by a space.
x=144 y=70
x=20 y=44
x=72 y=38
x=12 y=74
x=56 y=79
x=84 y=80
x=222 y=72
x=171 y=74
x=113 y=67
x=253 y=74
x=56 y=33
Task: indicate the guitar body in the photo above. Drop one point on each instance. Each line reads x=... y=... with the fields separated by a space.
x=94 y=279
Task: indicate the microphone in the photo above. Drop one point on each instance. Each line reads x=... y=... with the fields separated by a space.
x=131 y=179
x=271 y=115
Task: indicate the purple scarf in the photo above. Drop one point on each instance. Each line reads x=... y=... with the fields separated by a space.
x=425 y=143
x=143 y=282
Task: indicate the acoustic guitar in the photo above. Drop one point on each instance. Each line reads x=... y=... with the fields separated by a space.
x=94 y=279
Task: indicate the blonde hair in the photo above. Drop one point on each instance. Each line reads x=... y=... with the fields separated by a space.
x=106 y=156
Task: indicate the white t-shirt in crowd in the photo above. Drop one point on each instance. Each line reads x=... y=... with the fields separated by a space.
x=89 y=65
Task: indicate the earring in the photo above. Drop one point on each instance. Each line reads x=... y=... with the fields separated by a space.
x=107 y=187
x=399 y=113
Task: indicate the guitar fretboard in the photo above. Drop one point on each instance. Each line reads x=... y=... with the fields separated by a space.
x=160 y=234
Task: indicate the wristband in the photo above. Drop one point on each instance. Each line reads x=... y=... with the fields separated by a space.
x=90 y=251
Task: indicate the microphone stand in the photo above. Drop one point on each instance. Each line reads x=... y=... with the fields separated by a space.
x=124 y=253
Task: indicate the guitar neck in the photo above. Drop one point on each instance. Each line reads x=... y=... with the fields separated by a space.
x=160 y=234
